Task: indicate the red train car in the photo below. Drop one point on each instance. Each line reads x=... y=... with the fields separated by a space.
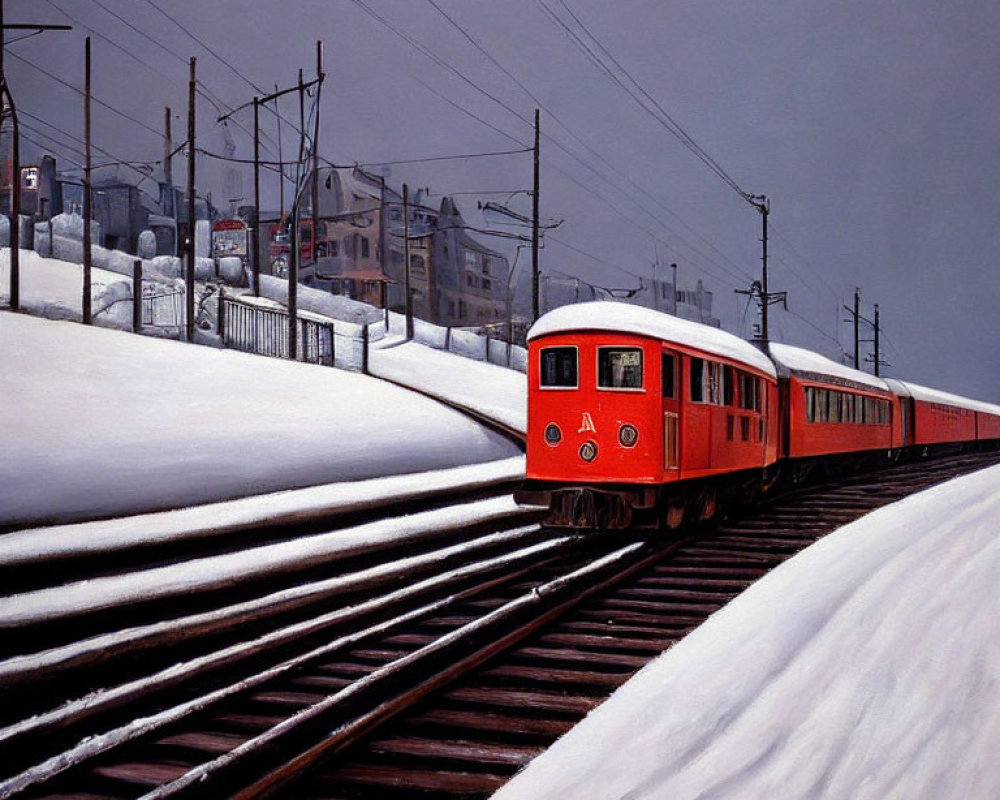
x=623 y=402
x=832 y=409
x=941 y=418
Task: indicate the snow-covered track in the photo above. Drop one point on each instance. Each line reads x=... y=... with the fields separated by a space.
x=446 y=681
x=469 y=739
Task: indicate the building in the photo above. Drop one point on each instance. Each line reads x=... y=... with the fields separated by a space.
x=360 y=251
x=471 y=280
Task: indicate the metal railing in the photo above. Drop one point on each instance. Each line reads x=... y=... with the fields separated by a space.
x=162 y=306
x=264 y=331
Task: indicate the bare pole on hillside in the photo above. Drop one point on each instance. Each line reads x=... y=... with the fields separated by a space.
x=189 y=275
x=88 y=194
x=534 y=227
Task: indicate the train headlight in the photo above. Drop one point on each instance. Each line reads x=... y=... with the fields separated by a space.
x=588 y=451
x=552 y=434
x=628 y=435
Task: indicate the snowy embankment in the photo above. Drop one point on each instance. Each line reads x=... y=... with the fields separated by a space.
x=97 y=423
x=493 y=392
x=867 y=666
x=54 y=289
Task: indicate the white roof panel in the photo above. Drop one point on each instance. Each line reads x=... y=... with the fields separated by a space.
x=798 y=359
x=946 y=398
x=605 y=315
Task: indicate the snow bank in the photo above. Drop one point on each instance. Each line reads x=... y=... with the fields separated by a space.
x=868 y=667
x=54 y=289
x=96 y=423
x=493 y=392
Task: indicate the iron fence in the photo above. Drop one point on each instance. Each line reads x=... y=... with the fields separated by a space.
x=162 y=306
x=264 y=331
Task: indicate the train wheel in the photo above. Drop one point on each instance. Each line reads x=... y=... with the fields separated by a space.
x=707 y=504
x=673 y=517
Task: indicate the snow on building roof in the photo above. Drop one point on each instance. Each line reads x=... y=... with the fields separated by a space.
x=603 y=315
x=800 y=360
x=945 y=398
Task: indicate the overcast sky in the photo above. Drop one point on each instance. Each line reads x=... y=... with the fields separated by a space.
x=872 y=127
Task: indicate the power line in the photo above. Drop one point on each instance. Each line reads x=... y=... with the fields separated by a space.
x=207 y=49
x=80 y=92
x=572 y=133
x=559 y=145
x=457 y=157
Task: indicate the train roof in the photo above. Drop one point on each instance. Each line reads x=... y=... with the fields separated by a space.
x=604 y=315
x=807 y=364
x=929 y=395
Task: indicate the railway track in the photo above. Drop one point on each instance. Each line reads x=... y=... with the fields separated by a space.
x=439 y=681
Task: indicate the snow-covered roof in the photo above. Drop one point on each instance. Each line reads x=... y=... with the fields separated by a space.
x=946 y=398
x=801 y=361
x=604 y=315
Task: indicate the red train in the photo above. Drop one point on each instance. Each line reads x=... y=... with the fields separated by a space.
x=638 y=418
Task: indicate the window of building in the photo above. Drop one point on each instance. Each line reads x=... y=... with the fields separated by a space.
x=471 y=280
x=619 y=367
x=487 y=284
x=667 y=374
x=558 y=367
x=417 y=266
x=365 y=250
x=471 y=259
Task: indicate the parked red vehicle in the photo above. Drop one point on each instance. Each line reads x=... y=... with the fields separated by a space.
x=638 y=418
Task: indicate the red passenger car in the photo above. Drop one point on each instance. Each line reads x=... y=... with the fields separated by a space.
x=832 y=409
x=940 y=418
x=624 y=402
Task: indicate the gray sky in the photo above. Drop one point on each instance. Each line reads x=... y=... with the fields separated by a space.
x=872 y=126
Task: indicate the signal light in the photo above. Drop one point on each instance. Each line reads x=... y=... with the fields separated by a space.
x=588 y=451
x=628 y=435
x=552 y=434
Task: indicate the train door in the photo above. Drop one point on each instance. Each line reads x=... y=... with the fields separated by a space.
x=670 y=391
x=696 y=435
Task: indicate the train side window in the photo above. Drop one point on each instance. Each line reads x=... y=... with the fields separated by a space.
x=619 y=368
x=727 y=386
x=714 y=383
x=823 y=400
x=750 y=391
x=810 y=404
x=667 y=372
x=697 y=380
x=559 y=367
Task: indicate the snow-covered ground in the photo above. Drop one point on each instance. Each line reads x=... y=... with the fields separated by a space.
x=494 y=392
x=866 y=667
x=98 y=423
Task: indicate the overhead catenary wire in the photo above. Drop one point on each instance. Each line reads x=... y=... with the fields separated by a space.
x=470 y=38
x=590 y=167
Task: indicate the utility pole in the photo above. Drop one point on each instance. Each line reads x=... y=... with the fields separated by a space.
x=295 y=238
x=877 y=359
x=408 y=303
x=673 y=268
x=315 y=152
x=168 y=169
x=189 y=275
x=7 y=107
x=857 y=314
x=534 y=228
x=256 y=196
x=87 y=191
x=760 y=288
